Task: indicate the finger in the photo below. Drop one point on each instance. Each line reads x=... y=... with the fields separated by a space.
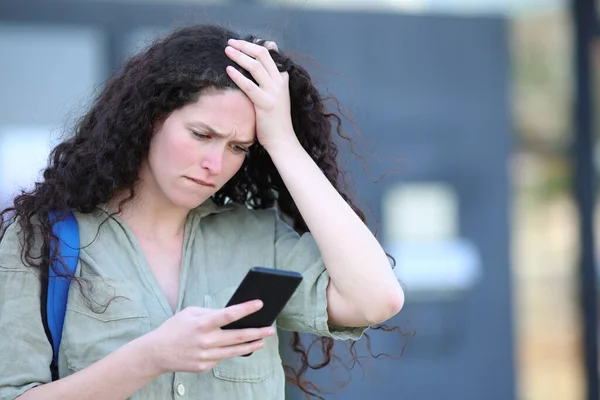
x=219 y=353
x=254 y=93
x=271 y=46
x=197 y=311
x=258 y=52
x=268 y=44
x=231 y=314
x=254 y=66
x=237 y=336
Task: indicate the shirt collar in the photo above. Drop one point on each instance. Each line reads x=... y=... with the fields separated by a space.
x=207 y=208
x=210 y=207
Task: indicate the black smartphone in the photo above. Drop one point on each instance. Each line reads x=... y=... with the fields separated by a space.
x=274 y=287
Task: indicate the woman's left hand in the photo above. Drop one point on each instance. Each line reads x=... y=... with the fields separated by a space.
x=271 y=97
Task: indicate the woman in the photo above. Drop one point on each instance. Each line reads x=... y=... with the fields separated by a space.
x=178 y=176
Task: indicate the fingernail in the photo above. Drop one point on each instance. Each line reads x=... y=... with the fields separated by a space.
x=271 y=331
x=231 y=41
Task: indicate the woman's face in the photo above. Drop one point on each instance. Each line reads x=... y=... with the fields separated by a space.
x=199 y=147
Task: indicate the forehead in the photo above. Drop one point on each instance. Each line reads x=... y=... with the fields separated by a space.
x=226 y=111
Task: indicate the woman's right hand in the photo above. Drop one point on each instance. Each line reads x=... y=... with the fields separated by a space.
x=192 y=340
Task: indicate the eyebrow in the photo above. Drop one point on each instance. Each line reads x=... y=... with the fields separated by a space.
x=213 y=132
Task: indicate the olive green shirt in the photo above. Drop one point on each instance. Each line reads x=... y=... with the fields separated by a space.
x=220 y=245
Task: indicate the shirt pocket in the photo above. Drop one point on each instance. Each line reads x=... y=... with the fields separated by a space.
x=117 y=315
x=259 y=366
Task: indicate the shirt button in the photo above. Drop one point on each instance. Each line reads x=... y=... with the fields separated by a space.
x=181 y=389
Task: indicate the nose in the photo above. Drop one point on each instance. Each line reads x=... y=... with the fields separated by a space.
x=212 y=160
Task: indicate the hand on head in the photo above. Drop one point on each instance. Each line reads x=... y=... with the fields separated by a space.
x=270 y=94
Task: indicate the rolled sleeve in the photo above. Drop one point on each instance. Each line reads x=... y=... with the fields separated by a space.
x=24 y=349
x=306 y=312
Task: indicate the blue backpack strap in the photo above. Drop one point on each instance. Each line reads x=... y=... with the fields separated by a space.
x=67 y=231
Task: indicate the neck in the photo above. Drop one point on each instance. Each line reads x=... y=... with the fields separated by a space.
x=151 y=218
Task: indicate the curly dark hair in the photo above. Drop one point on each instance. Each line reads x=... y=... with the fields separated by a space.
x=111 y=141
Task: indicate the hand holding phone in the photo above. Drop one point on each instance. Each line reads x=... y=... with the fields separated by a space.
x=273 y=287
x=192 y=340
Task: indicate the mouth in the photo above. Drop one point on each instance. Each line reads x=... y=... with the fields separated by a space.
x=201 y=182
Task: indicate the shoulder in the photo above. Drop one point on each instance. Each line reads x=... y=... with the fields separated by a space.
x=13 y=243
x=236 y=214
x=12 y=238
x=238 y=222
x=253 y=215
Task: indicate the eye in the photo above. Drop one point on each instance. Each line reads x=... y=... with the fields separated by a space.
x=239 y=149
x=200 y=135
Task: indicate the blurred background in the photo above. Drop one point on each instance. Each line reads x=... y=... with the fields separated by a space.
x=478 y=112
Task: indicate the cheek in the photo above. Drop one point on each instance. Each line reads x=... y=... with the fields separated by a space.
x=177 y=151
x=234 y=164
x=170 y=155
x=184 y=152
